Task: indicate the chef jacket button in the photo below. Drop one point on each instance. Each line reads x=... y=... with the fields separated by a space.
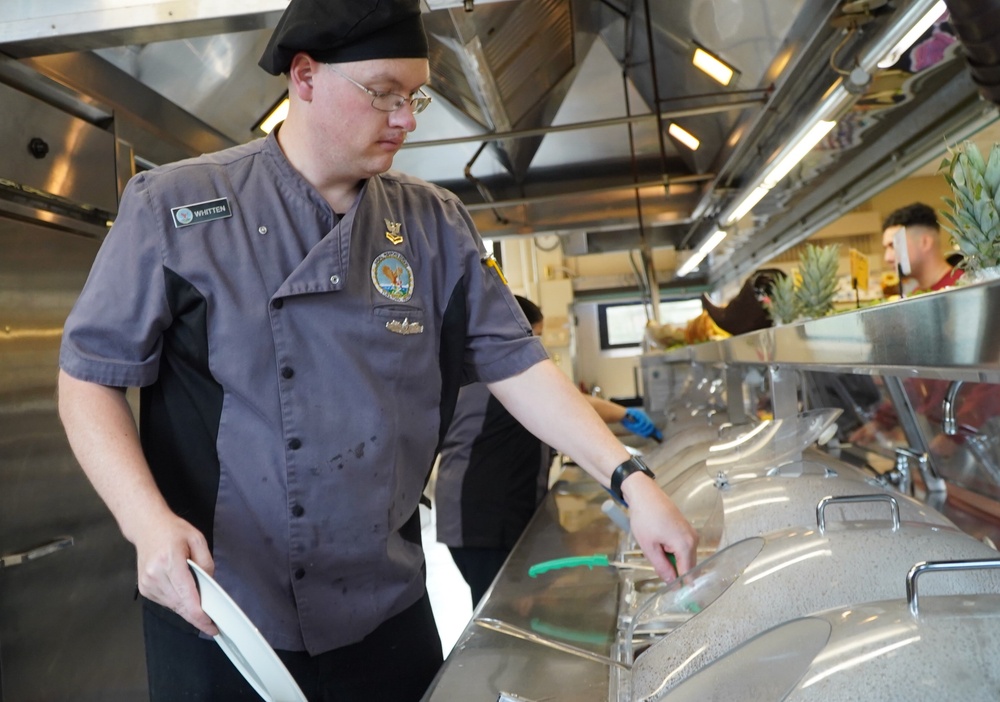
x=277 y=304
x=335 y=279
x=262 y=229
x=298 y=511
x=287 y=372
x=294 y=444
x=299 y=573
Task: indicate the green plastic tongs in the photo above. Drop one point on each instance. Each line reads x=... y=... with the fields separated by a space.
x=598 y=559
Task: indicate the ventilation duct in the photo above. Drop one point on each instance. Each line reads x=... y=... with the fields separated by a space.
x=977 y=24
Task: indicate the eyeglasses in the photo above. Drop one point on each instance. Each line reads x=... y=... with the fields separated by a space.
x=390 y=102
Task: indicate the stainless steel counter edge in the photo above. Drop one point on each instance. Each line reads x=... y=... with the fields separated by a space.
x=576 y=608
x=952 y=334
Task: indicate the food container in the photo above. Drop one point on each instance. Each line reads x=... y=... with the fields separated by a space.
x=787 y=496
x=760 y=582
x=694 y=440
x=913 y=649
x=749 y=450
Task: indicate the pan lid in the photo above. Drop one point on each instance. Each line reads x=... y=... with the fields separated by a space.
x=919 y=649
x=796 y=572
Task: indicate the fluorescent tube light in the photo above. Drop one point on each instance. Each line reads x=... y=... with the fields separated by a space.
x=698 y=256
x=748 y=203
x=713 y=66
x=683 y=136
x=797 y=152
x=276 y=115
x=916 y=31
x=810 y=134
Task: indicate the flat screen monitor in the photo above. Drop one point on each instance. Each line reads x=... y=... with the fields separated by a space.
x=622 y=324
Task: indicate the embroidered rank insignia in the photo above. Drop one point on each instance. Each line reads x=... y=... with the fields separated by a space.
x=392 y=276
x=392 y=233
x=405 y=327
x=186 y=215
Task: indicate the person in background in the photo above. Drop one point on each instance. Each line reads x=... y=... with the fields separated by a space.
x=928 y=265
x=299 y=320
x=494 y=472
x=931 y=270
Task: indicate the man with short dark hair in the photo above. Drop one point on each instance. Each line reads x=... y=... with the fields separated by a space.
x=299 y=320
x=928 y=266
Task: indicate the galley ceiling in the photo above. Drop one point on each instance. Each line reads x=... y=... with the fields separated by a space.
x=551 y=116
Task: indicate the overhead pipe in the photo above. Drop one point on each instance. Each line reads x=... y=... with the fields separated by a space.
x=977 y=24
x=724 y=106
x=539 y=199
x=480 y=186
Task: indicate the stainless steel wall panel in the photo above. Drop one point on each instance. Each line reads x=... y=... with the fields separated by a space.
x=70 y=628
x=56 y=153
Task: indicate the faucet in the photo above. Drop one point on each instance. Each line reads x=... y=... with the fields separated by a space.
x=934 y=482
x=949 y=424
x=901 y=475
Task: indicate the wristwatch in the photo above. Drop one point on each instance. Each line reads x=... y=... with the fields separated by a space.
x=632 y=465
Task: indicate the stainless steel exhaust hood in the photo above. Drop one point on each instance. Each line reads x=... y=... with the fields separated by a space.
x=557 y=111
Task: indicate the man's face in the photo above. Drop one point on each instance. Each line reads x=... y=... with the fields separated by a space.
x=889 y=246
x=537 y=328
x=355 y=136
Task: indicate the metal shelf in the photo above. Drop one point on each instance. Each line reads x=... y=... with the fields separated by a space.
x=952 y=334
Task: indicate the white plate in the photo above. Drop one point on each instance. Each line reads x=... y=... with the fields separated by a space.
x=243 y=643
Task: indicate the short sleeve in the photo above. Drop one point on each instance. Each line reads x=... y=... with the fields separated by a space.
x=113 y=333
x=499 y=342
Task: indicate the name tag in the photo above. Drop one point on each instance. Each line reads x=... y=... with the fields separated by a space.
x=186 y=215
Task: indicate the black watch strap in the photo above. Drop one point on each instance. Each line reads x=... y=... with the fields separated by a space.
x=632 y=465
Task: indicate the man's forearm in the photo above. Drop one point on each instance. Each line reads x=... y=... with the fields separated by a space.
x=549 y=406
x=104 y=439
x=546 y=403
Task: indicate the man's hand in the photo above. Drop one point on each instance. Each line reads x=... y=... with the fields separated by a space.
x=639 y=423
x=659 y=527
x=162 y=550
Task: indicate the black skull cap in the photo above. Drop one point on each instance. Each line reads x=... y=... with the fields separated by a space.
x=341 y=31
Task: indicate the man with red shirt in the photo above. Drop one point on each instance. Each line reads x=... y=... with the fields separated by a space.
x=923 y=245
x=931 y=271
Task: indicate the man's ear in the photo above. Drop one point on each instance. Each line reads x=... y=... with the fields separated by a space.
x=301 y=74
x=927 y=242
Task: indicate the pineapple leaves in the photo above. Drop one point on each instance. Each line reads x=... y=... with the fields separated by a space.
x=975 y=208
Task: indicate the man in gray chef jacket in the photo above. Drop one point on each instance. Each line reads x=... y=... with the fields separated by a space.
x=299 y=320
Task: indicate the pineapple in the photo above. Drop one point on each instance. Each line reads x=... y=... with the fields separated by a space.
x=783 y=305
x=819 y=280
x=974 y=217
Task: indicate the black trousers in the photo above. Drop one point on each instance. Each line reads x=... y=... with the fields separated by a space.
x=479 y=567
x=397 y=661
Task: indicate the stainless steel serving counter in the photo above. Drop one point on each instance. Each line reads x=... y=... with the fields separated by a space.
x=950 y=334
x=576 y=607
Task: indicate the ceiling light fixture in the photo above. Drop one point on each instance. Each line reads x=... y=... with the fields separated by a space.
x=711 y=64
x=810 y=132
x=683 y=136
x=822 y=119
x=698 y=256
x=916 y=31
x=275 y=115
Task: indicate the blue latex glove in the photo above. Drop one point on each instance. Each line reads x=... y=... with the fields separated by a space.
x=639 y=423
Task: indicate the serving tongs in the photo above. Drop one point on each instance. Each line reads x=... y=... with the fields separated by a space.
x=597 y=560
